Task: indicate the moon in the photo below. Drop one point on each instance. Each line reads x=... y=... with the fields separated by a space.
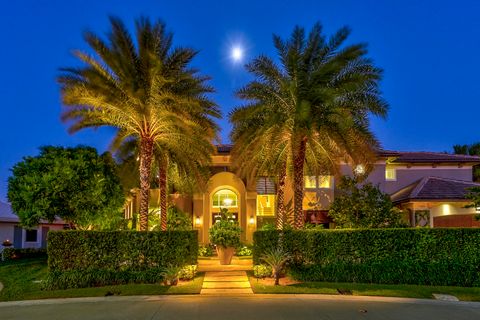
x=237 y=54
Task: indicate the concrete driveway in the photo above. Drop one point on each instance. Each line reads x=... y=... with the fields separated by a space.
x=262 y=307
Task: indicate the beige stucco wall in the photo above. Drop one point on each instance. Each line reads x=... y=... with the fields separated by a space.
x=203 y=206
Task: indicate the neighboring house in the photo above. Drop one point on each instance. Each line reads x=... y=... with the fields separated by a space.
x=23 y=238
x=431 y=187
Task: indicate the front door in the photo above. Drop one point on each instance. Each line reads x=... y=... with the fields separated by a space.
x=17 y=237
x=44 y=236
x=216 y=216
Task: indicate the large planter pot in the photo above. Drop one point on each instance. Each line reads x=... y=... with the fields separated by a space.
x=225 y=255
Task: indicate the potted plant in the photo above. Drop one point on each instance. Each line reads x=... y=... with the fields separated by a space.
x=7 y=243
x=225 y=234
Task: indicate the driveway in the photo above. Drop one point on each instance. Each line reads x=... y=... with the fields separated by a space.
x=262 y=307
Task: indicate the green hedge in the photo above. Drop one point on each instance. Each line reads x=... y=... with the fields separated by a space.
x=94 y=258
x=424 y=256
x=25 y=253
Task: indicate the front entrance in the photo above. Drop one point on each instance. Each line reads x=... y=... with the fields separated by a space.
x=225 y=198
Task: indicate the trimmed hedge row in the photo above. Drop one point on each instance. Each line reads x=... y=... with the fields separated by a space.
x=424 y=256
x=24 y=253
x=93 y=258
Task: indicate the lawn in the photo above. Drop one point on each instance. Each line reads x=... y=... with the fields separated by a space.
x=22 y=281
x=364 y=289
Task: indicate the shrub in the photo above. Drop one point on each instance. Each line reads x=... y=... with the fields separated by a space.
x=114 y=257
x=188 y=272
x=243 y=251
x=225 y=232
x=205 y=251
x=262 y=271
x=391 y=256
x=26 y=253
x=277 y=259
x=363 y=207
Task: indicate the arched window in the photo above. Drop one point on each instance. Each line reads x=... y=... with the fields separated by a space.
x=225 y=198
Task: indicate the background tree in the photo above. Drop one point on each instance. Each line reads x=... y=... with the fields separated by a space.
x=363 y=207
x=471 y=150
x=474 y=196
x=145 y=89
x=74 y=184
x=314 y=106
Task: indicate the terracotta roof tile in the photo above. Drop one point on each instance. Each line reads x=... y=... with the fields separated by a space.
x=434 y=188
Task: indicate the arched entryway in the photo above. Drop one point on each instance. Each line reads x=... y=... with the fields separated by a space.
x=225 y=189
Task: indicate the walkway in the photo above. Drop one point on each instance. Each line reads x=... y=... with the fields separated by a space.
x=225 y=279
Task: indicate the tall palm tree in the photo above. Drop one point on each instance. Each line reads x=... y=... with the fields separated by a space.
x=314 y=106
x=186 y=167
x=144 y=88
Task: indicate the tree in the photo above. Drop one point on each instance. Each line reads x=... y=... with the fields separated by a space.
x=474 y=195
x=314 y=108
x=75 y=184
x=363 y=207
x=186 y=168
x=146 y=90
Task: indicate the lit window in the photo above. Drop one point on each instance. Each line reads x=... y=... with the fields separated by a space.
x=266 y=205
x=324 y=182
x=225 y=198
x=30 y=235
x=390 y=173
x=310 y=182
x=313 y=182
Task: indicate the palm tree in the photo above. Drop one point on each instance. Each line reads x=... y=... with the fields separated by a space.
x=145 y=89
x=314 y=107
x=254 y=155
x=186 y=167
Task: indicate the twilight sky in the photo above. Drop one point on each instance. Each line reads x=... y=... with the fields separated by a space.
x=429 y=50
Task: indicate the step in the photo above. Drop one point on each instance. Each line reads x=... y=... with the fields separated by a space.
x=224 y=273
x=227 y=291
x=225 y=285
x=225 y=278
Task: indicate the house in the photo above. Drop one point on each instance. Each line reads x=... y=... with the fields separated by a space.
x=20 y=237
x=430 y=187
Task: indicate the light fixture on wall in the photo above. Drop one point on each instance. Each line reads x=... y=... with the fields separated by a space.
x=252 y=220
x=197 y=221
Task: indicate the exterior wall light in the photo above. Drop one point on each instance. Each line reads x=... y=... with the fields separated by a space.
x=197 y=221
x=252 y=220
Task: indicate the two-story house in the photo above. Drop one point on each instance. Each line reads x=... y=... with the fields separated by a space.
x=430 y=187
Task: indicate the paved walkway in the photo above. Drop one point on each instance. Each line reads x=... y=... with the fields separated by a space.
x=225 y=279
x=226 y=283
x=252 y=307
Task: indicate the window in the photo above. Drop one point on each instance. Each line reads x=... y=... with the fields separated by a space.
x=225 y=198
x=310 y=182
x=324 y=182
x=266 y=205
x=315 y=182
x=390 y=174
x=30 y=235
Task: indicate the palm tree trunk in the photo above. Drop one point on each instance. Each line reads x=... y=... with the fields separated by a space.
x=281 y=211
x=146 y=155
x=162 y=184
x=298 y=164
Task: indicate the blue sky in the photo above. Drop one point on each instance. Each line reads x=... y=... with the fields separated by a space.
x=429 y=50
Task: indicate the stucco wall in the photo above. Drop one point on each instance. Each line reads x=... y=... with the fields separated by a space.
x=406 y=176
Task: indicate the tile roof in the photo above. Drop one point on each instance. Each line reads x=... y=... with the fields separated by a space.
x=402 y=156
x=434 y=188
x=436 y=157
x=6 y=213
